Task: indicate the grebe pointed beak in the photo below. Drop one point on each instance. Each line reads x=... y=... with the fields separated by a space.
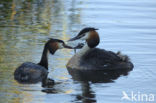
x=66 y=46
x=79 y=46
x=75 y=38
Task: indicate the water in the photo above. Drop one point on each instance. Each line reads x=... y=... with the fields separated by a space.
x=25 y=25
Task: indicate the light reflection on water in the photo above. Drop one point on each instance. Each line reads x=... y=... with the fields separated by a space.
x=25 y=25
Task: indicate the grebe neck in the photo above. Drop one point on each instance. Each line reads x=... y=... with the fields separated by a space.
x=44 y=59
x=84 y=50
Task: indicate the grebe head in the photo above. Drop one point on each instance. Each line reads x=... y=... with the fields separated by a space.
x=55 y=44
x=89 y=35
x=51 y=45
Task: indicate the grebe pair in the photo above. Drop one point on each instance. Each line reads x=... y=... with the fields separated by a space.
x=32 y=73
x=91 y=58
x=88 y=58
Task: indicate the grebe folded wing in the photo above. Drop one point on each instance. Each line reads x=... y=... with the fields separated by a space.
x=100 y=57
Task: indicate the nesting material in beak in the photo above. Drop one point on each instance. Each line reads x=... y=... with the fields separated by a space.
x=79 y=46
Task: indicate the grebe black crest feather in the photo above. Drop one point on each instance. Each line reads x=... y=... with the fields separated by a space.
x=87 y=30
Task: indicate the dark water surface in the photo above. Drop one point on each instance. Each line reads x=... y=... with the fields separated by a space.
x=126 y=25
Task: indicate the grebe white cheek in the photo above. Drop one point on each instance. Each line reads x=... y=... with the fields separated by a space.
x=86 y=36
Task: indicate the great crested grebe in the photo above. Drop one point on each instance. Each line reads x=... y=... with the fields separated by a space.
x=32 y=73
x=91 y=58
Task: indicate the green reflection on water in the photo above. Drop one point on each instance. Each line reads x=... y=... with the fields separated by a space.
x=24 y=27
